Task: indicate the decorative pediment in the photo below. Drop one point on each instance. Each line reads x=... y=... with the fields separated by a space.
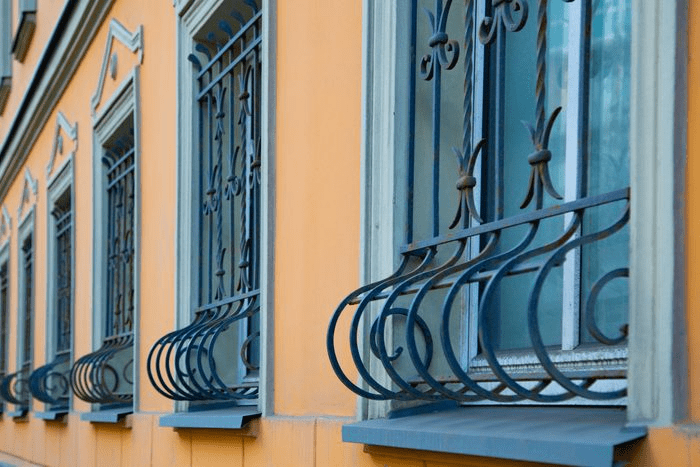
x=29 y=190
x=5 y=223
x=132 y=40
x=63 y=128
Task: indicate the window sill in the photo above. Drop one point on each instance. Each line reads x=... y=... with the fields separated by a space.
x=19 y=415
x=106 y=416
x=233 y=418
x=559 y=435
x=51 y=415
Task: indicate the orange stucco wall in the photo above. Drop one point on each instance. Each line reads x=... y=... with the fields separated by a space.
x=316 y=234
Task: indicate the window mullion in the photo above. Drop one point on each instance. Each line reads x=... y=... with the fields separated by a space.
x=575 y=162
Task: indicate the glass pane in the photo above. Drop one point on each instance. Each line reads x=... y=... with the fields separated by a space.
x=450 y=123
x=509 y=331
x=609 y=110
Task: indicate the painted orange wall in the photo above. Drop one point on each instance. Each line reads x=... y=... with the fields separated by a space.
x=317 y=225
x=319 y=66
x=693 y=211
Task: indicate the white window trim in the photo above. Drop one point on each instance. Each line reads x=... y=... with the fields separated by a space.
x=58 y=185
x=656 y=381
x=5 y=258
x=5 y=52
x=191 y=20
x=24 y=230
x=123 y=104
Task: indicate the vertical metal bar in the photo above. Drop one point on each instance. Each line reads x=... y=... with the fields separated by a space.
x=232 y=170
x=210 y=220
x=499 y=119
x=437 y=97
x=110 y=261
x=410 y=169
x=470 y=329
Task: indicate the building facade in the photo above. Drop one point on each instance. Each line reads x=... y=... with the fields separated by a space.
x=377 y=233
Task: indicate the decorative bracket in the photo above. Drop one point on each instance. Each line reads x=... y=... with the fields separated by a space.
x=132 y=41
x=71 y=131
x=31 y=186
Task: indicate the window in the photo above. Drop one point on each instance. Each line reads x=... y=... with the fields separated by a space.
x=500 y=292
x=25 y=29
x=5 y=52
x=106 y=376
x=213 y=359
x=4 y=303
x=15 y=386
x=50 y=383
x=509 y=273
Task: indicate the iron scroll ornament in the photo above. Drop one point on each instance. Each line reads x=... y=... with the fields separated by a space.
x=14 y=388
x=50 y=383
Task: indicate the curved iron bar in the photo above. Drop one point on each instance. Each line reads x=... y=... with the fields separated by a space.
x=50 y=384
x=492 y=266
x=14 y=388
x=94 y=377
x=502 y=15
x=181 y=364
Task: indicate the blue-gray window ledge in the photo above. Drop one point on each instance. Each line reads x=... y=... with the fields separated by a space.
x=18 y=414
x=556 y=435
x=231 y=418
x=51 y=415
x=106 y=416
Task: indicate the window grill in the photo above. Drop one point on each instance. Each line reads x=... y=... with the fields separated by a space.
x=4 y=283
x=15 y=386
x=50 y=383
x=441 y=327
x=216 y=356
x=106 y=375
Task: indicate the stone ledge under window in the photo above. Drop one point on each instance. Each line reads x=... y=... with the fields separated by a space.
x=106 y=416
x=558 y=435
x=232 y=418
x=19 y=415
x=51 y=415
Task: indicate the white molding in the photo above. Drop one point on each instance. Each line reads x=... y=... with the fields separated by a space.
x=657 y=347
x=77 y=25
x=31 y=186
x=24 y=230
x=123 y=104
x=267 y=202
x=71 y=130
x=61 y=183
x=131 y=40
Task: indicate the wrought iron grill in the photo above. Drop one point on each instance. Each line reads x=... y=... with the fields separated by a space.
x=216 y=356
x=3 y=320
x=106 y=375
x=498 y=299
x=50 y=383
x=14 y=387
